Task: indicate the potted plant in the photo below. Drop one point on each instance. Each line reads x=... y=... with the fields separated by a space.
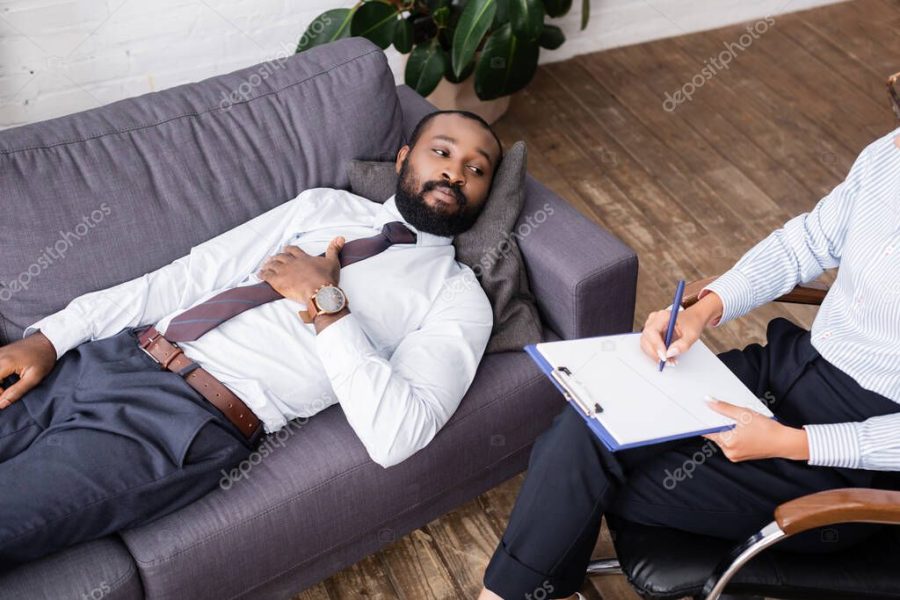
x=469 y=54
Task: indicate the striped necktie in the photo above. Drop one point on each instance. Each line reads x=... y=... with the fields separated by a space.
x=197 y=320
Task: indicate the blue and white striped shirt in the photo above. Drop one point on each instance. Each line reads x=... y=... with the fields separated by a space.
x=857 y=328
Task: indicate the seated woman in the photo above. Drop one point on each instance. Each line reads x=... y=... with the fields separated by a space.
x=835 y=391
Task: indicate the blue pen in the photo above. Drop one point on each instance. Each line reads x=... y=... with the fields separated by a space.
x=676 y=306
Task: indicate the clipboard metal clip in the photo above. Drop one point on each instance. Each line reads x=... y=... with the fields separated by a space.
x=563 y=376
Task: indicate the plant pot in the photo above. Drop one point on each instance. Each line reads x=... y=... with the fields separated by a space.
x=461 y=96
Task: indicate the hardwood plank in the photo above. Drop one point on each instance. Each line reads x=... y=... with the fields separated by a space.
x=466 y=540
x=748 y=85
x=742 y=134
x=794 y=95
x=817 y=74
x=869 y=38
x=366 y=579
x=416 y=569
x=834 y=57
x=316 y=592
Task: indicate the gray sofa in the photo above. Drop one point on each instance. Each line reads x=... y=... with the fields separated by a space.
x=179 y=166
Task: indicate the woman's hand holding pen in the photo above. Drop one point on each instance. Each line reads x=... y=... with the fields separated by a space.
x=688 y=327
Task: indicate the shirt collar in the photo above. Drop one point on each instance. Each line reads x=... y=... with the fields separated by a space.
x=389 y=212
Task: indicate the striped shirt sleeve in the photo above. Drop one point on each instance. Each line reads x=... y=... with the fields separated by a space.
x=871 y=444
x=796 y=253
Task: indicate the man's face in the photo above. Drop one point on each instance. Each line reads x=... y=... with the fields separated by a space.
x=444 y=181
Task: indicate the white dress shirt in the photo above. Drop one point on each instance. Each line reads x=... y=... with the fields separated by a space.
x=857 y=328
x=399 y=363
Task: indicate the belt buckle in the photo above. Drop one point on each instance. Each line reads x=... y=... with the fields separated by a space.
x=149 y=341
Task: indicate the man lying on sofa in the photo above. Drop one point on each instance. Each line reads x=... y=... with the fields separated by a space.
x=96 y=435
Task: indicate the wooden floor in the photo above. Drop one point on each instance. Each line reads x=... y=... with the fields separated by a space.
x=689 y=189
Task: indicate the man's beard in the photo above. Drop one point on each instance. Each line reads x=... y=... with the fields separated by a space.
x=424 y=217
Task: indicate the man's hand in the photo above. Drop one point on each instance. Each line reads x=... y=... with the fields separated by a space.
x=31 y=359
x=757 y=436
x=296 y=275
x=688 y=327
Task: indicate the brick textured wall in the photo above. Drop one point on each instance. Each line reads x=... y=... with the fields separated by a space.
x=62 y=56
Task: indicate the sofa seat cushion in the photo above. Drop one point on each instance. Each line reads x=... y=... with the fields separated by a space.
x=98 y=569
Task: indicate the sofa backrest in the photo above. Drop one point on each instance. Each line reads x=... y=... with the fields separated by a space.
x=99 y=197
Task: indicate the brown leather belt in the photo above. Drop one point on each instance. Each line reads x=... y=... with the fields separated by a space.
x=171 y=357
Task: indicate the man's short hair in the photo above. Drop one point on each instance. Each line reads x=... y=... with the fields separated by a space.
x=420 y=127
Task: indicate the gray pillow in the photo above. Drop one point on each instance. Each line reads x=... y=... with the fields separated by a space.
x=489 y=248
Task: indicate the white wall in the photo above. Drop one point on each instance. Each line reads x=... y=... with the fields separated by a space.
x=62 y=56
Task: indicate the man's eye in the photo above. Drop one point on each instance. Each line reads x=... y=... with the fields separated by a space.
x=439 y=150
x=477 y=170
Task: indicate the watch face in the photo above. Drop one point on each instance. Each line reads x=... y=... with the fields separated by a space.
x=330 y=299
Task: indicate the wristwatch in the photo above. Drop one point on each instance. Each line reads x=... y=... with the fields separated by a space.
x=327 y=299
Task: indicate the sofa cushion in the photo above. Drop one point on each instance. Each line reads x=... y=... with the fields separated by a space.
x=489 y=247
x=99 y=197
x=98 y=569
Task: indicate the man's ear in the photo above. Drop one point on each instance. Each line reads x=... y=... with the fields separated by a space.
x=401 y=155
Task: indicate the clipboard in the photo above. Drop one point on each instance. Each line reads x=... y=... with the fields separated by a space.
x=593 y=407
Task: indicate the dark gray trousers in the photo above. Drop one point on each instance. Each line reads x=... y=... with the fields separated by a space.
x=107 y=441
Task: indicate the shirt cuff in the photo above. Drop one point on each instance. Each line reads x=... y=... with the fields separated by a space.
x=834 y=445
x=64 y=332
x=342 y=345
x=736 y=293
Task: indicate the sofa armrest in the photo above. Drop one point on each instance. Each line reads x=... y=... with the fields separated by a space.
x=583 y=277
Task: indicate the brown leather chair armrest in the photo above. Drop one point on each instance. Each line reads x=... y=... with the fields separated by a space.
x=846 y=505
x=805 y=293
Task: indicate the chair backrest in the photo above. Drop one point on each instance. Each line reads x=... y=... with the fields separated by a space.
x=102 y=196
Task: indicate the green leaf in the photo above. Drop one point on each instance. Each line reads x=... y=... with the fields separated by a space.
x=376 y=21
x=441 y=16
x=557 y=8
x=474 y=22
x=552 y=37
x=506 y=64
x=585 y=12
x=425 y=67
x=403 y=36
x=526 y=18
x=329 y=26
x=502 y=15
x=452 y=78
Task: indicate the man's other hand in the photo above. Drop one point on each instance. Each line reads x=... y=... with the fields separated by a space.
x=31 y=358
x=296 y=275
